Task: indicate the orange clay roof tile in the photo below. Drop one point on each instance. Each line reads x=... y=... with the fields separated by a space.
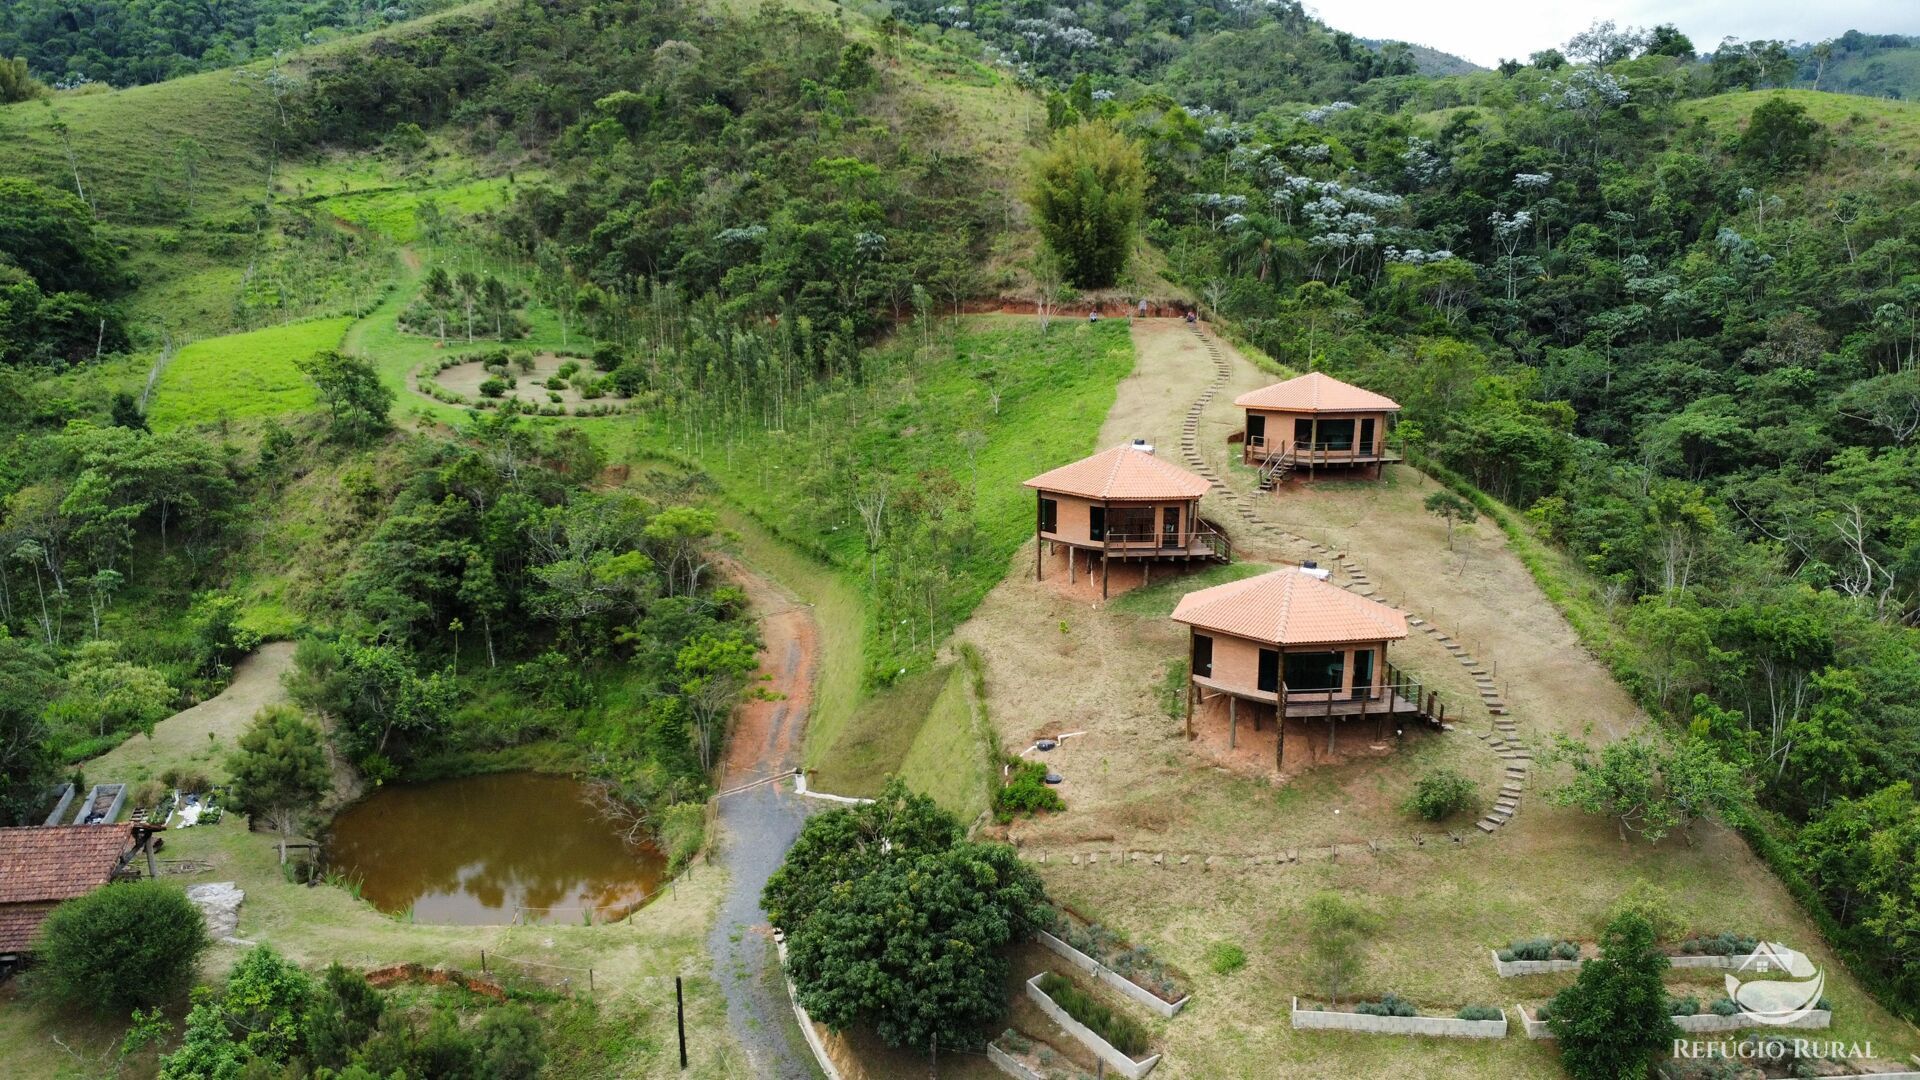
x=1287 y=607
x=1316 y=392
x=1123 y=473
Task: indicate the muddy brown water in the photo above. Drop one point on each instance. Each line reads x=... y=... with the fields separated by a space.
x=482 y=850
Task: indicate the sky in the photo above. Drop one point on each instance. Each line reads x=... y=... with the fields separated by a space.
x=1485 y=31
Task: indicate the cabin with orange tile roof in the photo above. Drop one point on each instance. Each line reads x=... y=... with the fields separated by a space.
x=1312 y=423
x=1125 y=503
x=1289 y=649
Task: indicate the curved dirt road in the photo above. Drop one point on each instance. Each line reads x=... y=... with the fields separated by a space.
x=758 y=825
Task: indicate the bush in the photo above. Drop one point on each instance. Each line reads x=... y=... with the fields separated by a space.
x=1726 y=1007
x=1683 y=1006
x=1540 y=949
x=1481 y=1012
x=1617 y=1013
x=493 y=386
x=1122 y=1031
x=1388 y=1005
x=121 y=946
x=1025 y=792
x=1650 y=902
x=1721 y=944
x=683 y=830
x=1224 y=957
x=1440 y=794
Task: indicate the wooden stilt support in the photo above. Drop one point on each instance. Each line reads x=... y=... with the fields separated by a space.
x=1190 y=693
x=1103 y=575
x=1280 y=741
x=1233 y=720
x=1070 y=565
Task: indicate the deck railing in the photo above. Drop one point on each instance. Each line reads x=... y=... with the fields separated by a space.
x=1323 y=453
x=1203 y=533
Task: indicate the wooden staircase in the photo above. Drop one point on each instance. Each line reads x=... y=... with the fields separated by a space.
x=1273 y=471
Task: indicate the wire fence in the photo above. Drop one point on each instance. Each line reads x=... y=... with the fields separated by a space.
x=515 y=973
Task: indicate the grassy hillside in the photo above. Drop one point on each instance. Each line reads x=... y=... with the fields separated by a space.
x=1872 y=129
x=242 y=375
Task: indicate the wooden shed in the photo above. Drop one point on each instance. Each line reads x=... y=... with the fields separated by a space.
x=1128 y=504
x=40 y=867
x=1314 y=422
x=1290 y=648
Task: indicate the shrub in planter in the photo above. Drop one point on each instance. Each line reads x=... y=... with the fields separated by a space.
x=1388 y=1005
x=1540 y=949
x=1123 y=1032
x=1480 y=1012
x=1440 y=794
x=1683 y=1006
x=1725 y=1007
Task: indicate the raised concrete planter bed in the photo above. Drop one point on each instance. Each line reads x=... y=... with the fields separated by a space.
x=1535 y=1029
x=1009 y=1062
x=1707 y=1023
x=1127 y=987
x=1106 y=1051
x=1445 y=1026
x=1511 y=968
x=1819 y=1019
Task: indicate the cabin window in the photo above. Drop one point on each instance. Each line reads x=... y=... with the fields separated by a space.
x=1256 y=429
x=1363 y=669
x=1203 y=655
x=1269 y=671
x=1096 y=523
x=1336 y=434
x=1049 y=515
x=1170 y=528
x=1315 y=670
x=1366 y=435
x=1302 y=431
x=1131 y=524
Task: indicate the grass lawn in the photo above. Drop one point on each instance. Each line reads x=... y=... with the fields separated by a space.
x=242 y=375
x=952 y=755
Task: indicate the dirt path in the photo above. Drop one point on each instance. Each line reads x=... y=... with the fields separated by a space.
x=200 y=737
x=759 y=824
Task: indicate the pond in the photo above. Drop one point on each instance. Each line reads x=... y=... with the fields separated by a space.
x=500 y=848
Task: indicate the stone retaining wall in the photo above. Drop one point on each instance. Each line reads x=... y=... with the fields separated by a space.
x=1700 y=1023
x=1704 y=1023
x=1510 y=968
x=1448 y=1026
x=1107 y=1052
x=1133 y=991
x=1006 y=1064
x=1535 y=1029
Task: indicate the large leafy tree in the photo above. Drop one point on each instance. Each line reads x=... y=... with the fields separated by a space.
x=27 y=681
x=893 y=921
x=357 y=401
x=1614 y=1017
x=1088 y=191
x=280 y=770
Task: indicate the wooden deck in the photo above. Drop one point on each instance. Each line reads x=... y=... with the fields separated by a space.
x=1309 y=704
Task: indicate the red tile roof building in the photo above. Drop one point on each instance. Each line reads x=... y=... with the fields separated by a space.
x=1124 y=503
x=40 y=867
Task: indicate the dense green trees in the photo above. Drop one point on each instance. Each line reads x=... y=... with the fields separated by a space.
x=1087 y=193
x=125 y=42
x=58 y=275
x=127 y=944
x=933 y=976
x=273 y=1018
